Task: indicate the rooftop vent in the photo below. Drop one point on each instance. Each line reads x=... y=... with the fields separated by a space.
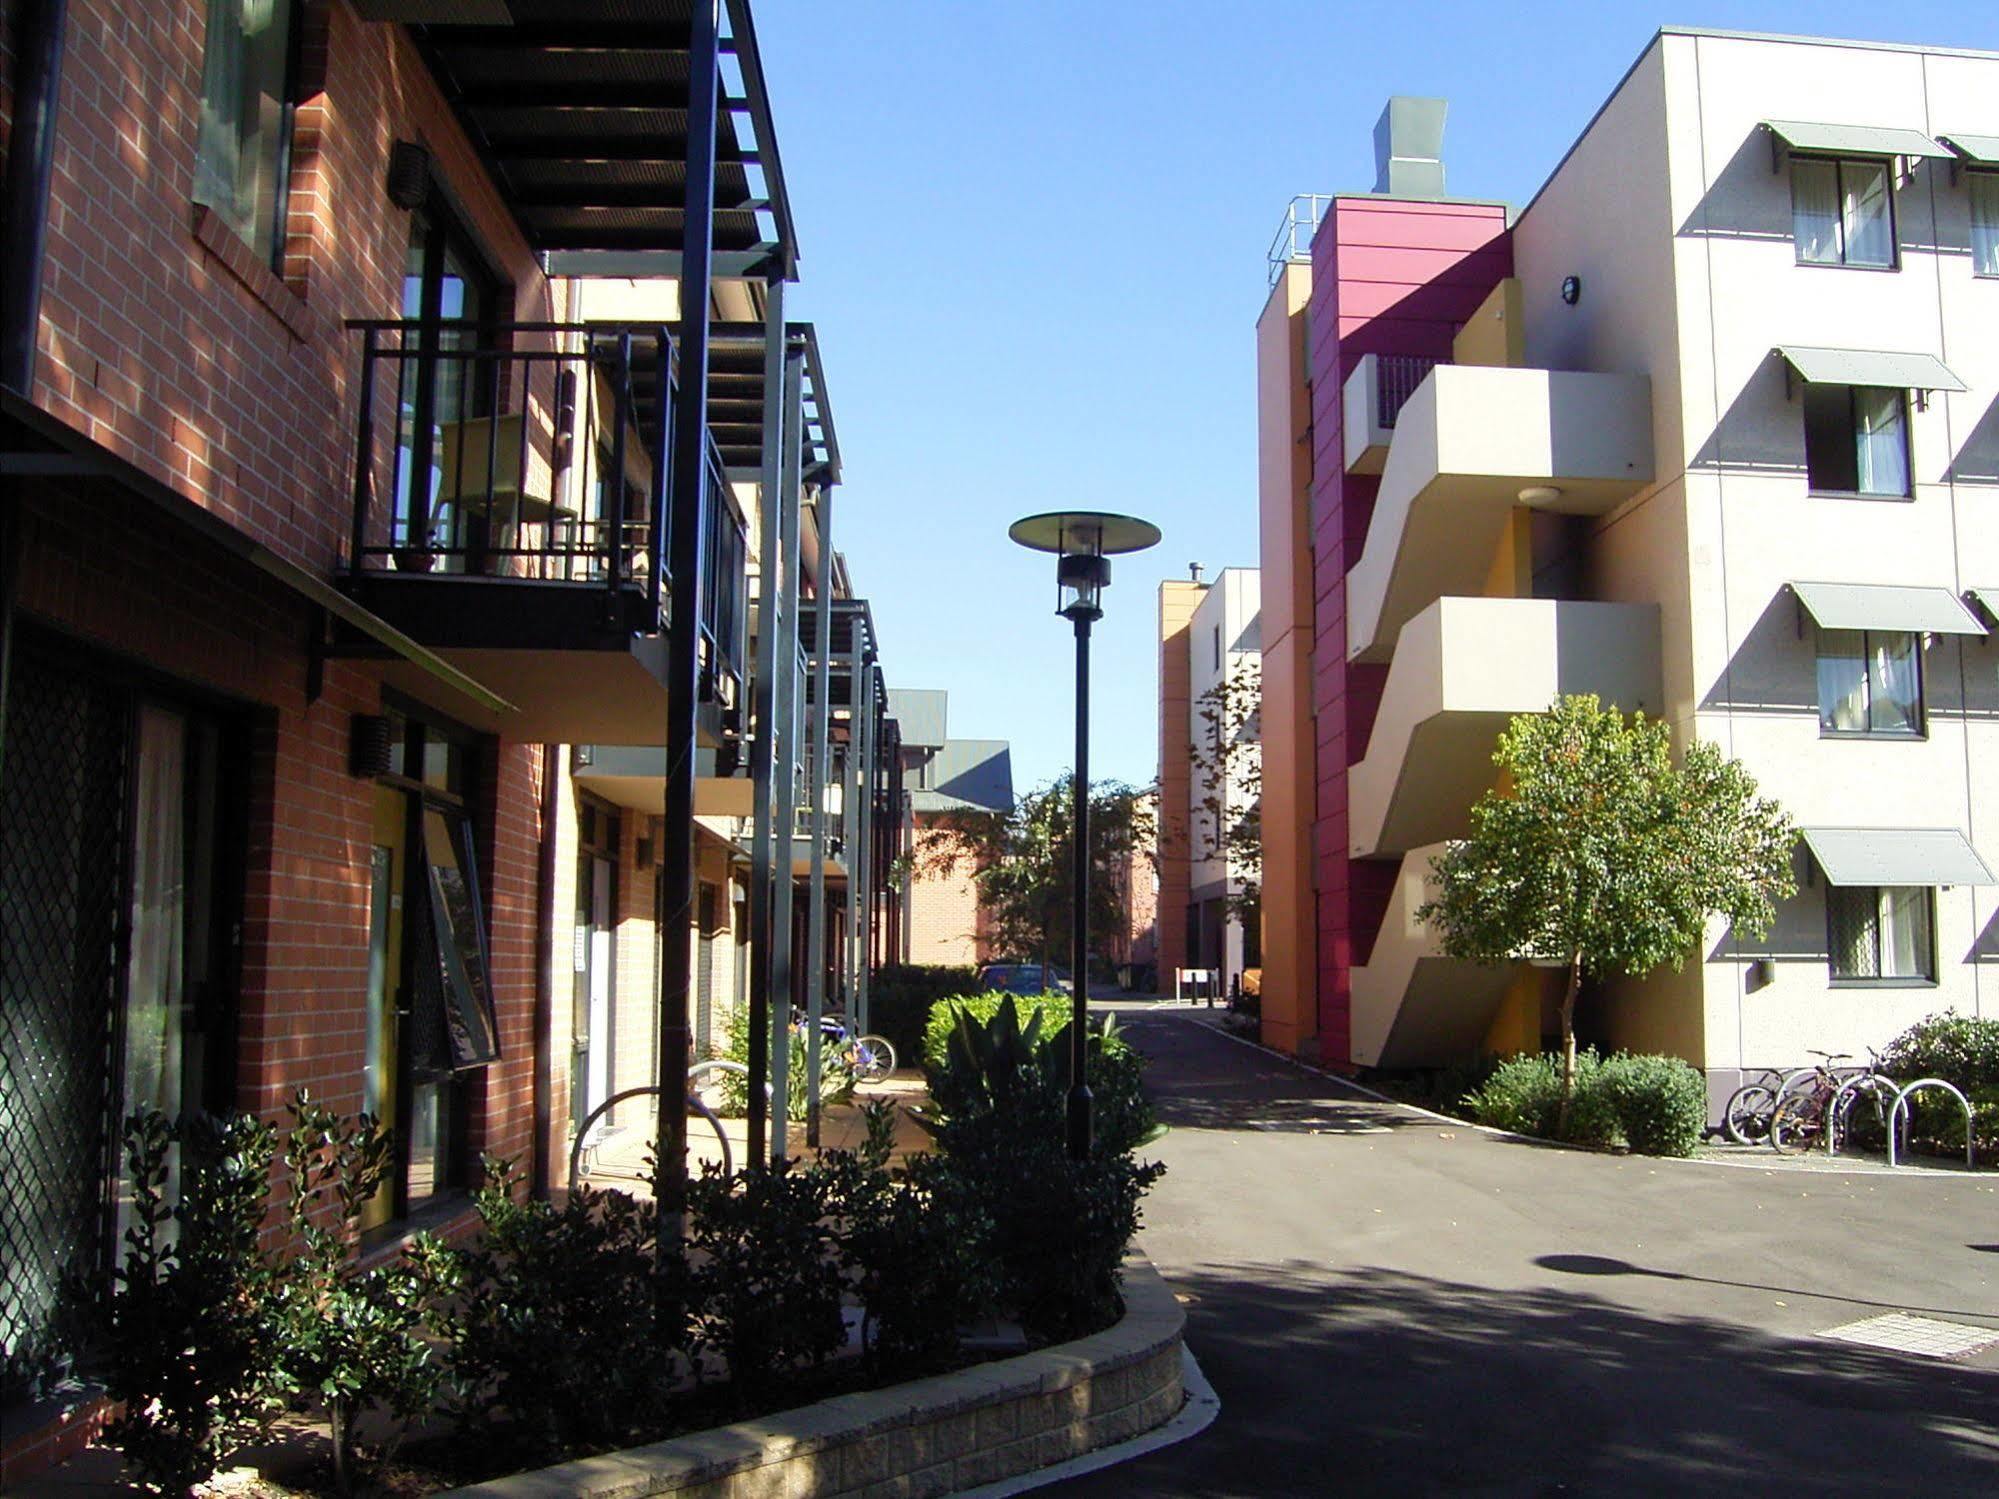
x=1409 y=148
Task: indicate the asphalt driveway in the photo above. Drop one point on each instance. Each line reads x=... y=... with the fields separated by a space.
x=1387 y=1304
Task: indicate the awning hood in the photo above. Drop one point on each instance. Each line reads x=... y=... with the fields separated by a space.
x=1897 y=856
x=1855 y=140
x=1817 y=366
x=1983 y=149
x=1886 y=606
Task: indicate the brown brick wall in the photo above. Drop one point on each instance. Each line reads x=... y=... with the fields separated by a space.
x=165 y=342
x=945 y=923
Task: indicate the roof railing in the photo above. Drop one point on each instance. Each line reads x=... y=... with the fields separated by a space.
x=1293 y=240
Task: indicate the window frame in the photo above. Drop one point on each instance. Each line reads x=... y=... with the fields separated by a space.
x=1987 y=174
x=1922 y=729
x=1908 y=491
x=279 y=221
x=1928 y=958
x=1839 y=162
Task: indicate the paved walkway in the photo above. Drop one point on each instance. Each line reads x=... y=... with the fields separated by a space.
x=1387 y=1304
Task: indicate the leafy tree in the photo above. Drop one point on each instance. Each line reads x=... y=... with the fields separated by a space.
x=1020 y=861
x=1599 y=851
x=1228 y=781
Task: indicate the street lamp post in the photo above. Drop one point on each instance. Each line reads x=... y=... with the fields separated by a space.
x=1083 y=543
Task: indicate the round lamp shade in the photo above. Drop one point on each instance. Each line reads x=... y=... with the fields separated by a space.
x=1088 y=532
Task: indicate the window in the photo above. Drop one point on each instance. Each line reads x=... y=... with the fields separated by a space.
x=1218 y=647
x=244 y=151
x=1984 y=223
x=1881 y=932
x=1870 y=682
x=1842 y=212
x=1857 y=440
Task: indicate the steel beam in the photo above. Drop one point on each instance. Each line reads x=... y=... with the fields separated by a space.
x=821 y=775
x=684 y=550
x=787 y=738
x=763 y=745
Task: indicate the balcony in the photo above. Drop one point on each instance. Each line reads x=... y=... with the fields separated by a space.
x=1462 y=669
x=1470 y=444
x=1412 y=1006
x=1372 y=399
x=511 y=485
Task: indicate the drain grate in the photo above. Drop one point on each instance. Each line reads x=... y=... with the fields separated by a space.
x=1900 y=1333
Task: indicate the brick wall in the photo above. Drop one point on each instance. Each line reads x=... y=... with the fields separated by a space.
x=945 y=922
x=163 y=340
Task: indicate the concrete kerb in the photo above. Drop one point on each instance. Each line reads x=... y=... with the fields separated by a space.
x=1773 y=1164
x=926 y=1437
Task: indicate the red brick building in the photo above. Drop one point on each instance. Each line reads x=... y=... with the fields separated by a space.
x=329 y=530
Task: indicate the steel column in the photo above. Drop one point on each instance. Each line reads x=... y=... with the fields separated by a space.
x=763 y=746
x=821 y=774
x=864 y=935
x=789 y=486
x=1079 y=1018
x=24 y=229
x=684 y=549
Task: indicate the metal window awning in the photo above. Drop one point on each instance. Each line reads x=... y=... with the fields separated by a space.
x=1981 y=149
x=1986 y=599
x=1897 y=371
x=1897 y=856
x=1886 y=606
x=1855 y=140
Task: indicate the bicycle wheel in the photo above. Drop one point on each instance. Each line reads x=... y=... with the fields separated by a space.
x=1746 y=1120
x=874 y=1058
x=1798 y=1123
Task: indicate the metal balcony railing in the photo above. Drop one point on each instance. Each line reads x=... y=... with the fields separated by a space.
x=1396 y=379
x=538 y=451
x=1293 y=240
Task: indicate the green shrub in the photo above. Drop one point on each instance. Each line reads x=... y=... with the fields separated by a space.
x=1960 y=1050
x=901 y=994
x=1059 y=1226
x=912 y=1240
x=1524 y=1094
x=1053 y=1008
x=562 y=1325
x=1660 y=1103
x=1956 y=1048
x=189 y=1354
x=351 y=1339
x=836 y=1078
x=767 y=1289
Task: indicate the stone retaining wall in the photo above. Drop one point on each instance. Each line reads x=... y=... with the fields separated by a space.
x=927 y=1437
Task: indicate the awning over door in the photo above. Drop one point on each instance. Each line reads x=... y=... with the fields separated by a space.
x=1855 y=140
x=1897 y=856
x=1886 y=606
x=1817 y=366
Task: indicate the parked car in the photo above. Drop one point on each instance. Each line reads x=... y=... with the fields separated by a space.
x=1018 y=978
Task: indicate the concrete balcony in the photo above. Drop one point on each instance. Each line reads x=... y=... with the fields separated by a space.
x=1412 y=1006
x=1372 y=400
x=1464 y=667
x=1470 y=444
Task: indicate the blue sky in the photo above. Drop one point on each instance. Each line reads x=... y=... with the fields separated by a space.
x=1033 y=240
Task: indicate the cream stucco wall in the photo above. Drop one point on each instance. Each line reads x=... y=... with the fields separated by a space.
x=1670 y=212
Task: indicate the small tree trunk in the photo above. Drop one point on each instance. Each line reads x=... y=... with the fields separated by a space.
x=341 y=1418
x=1569 y=1040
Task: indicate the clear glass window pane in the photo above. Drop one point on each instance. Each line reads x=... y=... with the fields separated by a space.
x=1881 y=441
x=1842 y=682
x=240 y=155
x=471 y=1028
x=1815 y=218
x=1894 y=689
x=1905 y=932
x=1984 y=222
x=1864 y=213
x=1852 y=930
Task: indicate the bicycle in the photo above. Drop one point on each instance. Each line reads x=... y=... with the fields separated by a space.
x=870 y=1058
x=1819 y=1114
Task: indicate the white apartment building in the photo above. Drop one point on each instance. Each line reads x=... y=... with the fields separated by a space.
x=1224 y=641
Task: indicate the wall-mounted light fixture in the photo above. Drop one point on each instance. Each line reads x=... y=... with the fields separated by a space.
x=1572 y=289
x=409 y=174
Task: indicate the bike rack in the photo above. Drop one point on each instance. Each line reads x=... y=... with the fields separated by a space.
x=1902 y=1098
x=693 y=1075
x=1833 y=1115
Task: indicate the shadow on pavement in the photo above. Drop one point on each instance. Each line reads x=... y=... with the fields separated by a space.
x=1375 y=1381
